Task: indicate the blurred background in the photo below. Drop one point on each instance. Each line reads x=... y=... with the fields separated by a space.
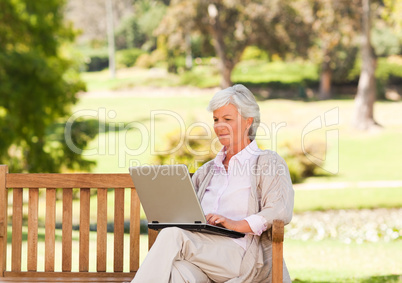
x=100 y=85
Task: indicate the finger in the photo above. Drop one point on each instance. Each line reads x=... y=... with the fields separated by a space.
x=208 y=217
x=220 y=220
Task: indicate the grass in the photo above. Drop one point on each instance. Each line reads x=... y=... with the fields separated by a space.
x=126 y=78
x=354 y=156
x=205 y=76
x=255 y=71
x=310 y=200
x=75 y=250
x=333 y=261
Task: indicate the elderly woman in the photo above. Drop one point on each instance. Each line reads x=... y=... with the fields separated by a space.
x=243 y=189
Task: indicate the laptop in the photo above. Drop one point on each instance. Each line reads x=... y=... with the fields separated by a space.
x=168 y=198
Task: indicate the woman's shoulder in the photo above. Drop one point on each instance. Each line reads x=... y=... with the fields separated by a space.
x=204 y=169
x=267 y=155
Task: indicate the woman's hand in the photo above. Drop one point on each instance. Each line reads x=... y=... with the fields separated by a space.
x=219 y=220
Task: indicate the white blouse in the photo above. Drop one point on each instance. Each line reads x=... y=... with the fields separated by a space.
x=228 y=191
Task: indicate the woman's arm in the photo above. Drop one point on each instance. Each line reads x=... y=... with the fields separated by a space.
x=277 y=194
x=235 y=225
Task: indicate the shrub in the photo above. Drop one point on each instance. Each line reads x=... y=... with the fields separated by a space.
x=128 y=57
x=194 y=152
x=97 y=63
x=144 y=61
x=300 y=166
x=253 y=52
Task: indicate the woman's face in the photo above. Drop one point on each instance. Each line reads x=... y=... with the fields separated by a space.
x=231 y=128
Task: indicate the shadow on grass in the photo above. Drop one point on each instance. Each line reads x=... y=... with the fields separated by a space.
x=372 y=279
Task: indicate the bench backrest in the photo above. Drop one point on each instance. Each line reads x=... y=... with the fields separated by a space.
x=67 y=182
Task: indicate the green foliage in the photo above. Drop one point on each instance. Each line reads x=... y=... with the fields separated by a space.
x=385 y=41
x=38 y=85
x=300 y=166
x=193 y=150
x=144 y=61
x=137 y=29
x=128 y=57
x=128 y=34
x=197 y=148
x=253 y=52
x=97 y=63
x=388 y=71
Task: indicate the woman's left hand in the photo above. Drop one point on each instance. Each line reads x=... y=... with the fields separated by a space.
x=219 y=220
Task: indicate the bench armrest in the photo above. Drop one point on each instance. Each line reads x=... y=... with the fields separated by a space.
x=278 y=232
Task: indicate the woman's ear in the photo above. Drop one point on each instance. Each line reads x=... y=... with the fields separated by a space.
x=249 y=121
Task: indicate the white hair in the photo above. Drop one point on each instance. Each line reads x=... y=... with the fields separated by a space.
x=243 y=99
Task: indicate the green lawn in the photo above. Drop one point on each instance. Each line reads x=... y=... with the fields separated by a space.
x=251 y=71
x=333 y=261
x=75 y=250
x=324 y=199
x=350 y=156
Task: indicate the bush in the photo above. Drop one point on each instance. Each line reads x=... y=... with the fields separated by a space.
x=253 y=52
x=97 y=63
x=300 y=166
x=128 y=57
x=144 y=61
x=194 y=152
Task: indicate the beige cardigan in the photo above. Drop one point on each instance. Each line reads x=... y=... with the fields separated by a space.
x=271 y=196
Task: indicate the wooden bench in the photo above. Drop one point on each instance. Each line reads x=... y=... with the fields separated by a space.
x=48 y=183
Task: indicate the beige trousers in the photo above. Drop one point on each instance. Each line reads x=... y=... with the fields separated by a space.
x=183 y=256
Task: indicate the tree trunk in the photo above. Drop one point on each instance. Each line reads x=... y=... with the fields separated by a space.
x=226 y=65
x=366 y=90
x=226 y=71
x=110 y=38
x=325 y=81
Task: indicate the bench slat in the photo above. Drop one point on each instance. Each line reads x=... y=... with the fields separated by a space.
x=33 y=203
x=67 y=230
x=17 y=231
x=134 y=231
x=84 y=229
x=50 y=224
x=68 y=276
x=118 y=230
x=101 y=231
x=37 y=180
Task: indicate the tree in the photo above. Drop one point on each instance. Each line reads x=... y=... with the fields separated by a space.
x=233 y=25
x=334 y=26
x=89 y=17
x=367 y=87
x=38 y=86
x=136 y=29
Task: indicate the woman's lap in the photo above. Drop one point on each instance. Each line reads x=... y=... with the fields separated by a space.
x=216 y=256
